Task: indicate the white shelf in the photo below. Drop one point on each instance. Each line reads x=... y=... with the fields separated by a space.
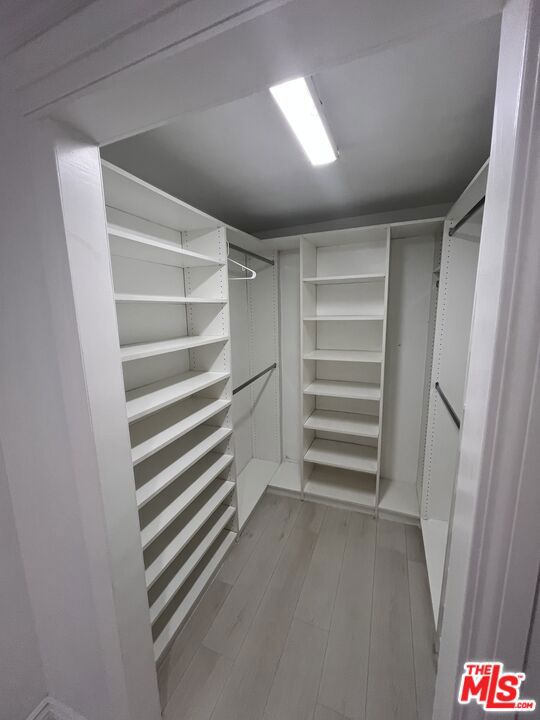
x=221 y=518
x=150 y=398
x=139 y=246
x=360 y=356
x=342 y=389
x=193 y=483
x=344 y=318
x=399 y=498
x=159 y=430
x=168 y=633
x=345 y=423
x=435 y=535
x=161 y=470
x=341 y=487
x=200 y=511
x=348 y=456
x=167 y=299
x=146 y=350
x=344 y=279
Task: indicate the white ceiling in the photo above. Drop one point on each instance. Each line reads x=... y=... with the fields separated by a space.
x=412 y=124
x=23 y=20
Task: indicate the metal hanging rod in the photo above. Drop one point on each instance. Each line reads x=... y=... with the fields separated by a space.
x=252 y=254
x=467 y=215
x=255 y=377
x=450 y=409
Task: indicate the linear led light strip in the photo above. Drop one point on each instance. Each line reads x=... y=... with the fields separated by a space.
x=297 y=104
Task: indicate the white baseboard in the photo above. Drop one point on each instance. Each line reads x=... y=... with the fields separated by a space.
x=51 y=709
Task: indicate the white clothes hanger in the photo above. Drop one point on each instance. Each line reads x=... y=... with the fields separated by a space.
x=251 y=276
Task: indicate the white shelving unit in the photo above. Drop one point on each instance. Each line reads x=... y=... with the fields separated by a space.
x=145 y=350
x=343 y=306
x=138 y=246
x=362 y=356
x=344 y=389
x=166 y=299
x=154 y=396
x=169 y=266
x=344 y=423
x=344 y=279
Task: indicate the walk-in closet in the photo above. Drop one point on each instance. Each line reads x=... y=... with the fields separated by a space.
x=293 y=401
x=269 y=368
x=293 y=408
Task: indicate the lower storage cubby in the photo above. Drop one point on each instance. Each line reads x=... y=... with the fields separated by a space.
x=341 y=487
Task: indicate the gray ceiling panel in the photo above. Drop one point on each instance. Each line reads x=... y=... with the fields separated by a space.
x=412 y=124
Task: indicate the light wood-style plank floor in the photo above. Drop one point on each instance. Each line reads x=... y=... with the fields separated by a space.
x=316 y=614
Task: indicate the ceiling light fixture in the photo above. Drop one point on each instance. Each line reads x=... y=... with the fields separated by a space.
x=297 y=103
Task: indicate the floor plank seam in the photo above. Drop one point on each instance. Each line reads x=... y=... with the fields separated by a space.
x=291 y=621
x=371 y=617
x=253 y=518
x=332 y=613
x=412 y=634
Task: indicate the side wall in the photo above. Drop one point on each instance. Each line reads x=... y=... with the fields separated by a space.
x=409 y=301
x=47 y=432
x=22 y=683
x=289 y=291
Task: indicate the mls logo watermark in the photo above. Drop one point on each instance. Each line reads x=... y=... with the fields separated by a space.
x=487 y=684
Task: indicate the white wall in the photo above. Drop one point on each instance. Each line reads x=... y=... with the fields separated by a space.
x=47 y=433
x=240 y=362
x=289 y=290
x=409 y=300
x=22 y=683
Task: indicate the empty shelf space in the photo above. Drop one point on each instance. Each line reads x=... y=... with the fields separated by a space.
x=151 y=349
x=342 y=389
x=348 y=456
x=139 y=246
x=167 y=299
x=346 y=423
x=161 y=469
x=343 y=318
x=151 y=398
x=217 y=554
x=344 y=279
x=188 y=560
x=179 y=496
x=161 y=429
x=172 y=543
x=341 y=487
x=287 y=478
x=361 y=356
x=398 y=497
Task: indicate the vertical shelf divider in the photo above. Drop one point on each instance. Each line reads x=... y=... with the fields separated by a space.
x=383 y=365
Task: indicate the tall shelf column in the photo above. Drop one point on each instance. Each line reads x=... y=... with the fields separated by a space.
x=343 y=308
x=169 y=267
